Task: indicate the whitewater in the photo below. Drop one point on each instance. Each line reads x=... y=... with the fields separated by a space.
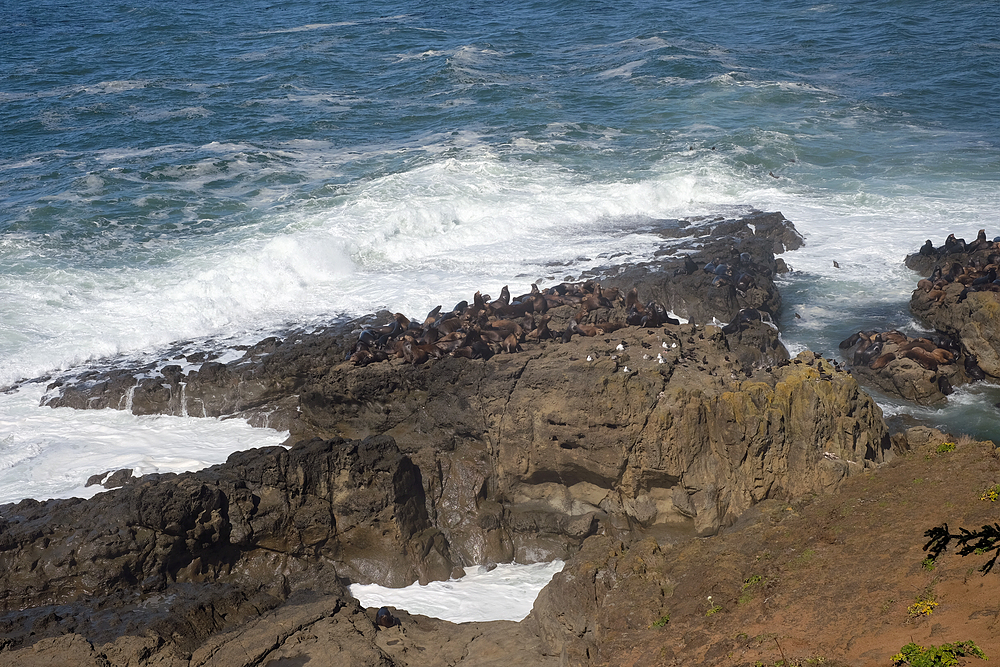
x=183 y=179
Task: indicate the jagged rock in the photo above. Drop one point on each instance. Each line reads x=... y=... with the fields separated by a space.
x=211 y=547
x=747 y=245
x=607 y=590
x=639 y=435
x=263 y=385
x=961 y=297
x=975 y=320
x=662 y=432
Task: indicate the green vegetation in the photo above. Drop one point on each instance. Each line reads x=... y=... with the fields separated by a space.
x=747 y=591
x=661 y=621
x=991 y=494
x=927 y=564
x=803 y=558
x=712 y=607
x=922 y=607
x=935 y=656
x=946 y=447
x=925 y=602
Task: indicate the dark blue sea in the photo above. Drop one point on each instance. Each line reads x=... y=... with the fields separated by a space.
x=217 y=171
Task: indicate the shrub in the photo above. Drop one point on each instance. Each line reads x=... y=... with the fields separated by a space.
x=936 y=656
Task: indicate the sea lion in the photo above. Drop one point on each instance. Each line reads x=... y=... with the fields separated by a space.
x=922 y=343
x=894 y=336
x=432 y=317
x=571 y=328
x=744 y=315
x=541 y=329
x=922 y=357
x=882 y=361
x=927 y=249
x=385 y=619
x=511 y=344
x=867 y=352
x=850 y=341
x=981 y=243
x=504 y=299
x=952 y=244
x=972 y=368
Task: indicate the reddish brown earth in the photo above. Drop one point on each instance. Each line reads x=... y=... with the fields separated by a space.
x=834 y=574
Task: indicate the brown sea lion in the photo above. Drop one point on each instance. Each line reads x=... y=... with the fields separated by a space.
x=511 y=344
x=922 y=357
x=882 y=361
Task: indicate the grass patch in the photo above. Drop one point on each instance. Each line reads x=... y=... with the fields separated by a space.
x=747 y=591
x=661 y=621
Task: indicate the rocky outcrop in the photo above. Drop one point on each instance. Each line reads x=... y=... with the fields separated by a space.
x=525 y=450
x=680 y=428
x=709 y=272
x=203 y=550
x=960 y=296
x=924 y=370
x=675 y=430
x=405 y=467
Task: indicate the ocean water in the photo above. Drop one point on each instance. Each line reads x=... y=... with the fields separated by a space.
x=209 y=173
x=504 y=593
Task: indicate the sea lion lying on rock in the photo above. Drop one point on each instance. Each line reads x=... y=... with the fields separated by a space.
x=488 y=327
x=919 y=369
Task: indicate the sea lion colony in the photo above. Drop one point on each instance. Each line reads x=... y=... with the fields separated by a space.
x=979 y=274
x=489 y=326
x=486 y=327
x=876 y=349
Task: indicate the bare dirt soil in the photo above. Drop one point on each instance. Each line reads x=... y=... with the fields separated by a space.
x=832 y=580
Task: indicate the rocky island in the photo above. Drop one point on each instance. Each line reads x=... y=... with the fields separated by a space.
x=615 y=422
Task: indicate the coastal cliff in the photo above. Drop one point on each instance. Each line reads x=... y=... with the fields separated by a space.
x=403 y=468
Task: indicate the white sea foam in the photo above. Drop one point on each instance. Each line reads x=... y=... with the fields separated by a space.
x=429 y=235
x=622 y=71
x=50 y=453
x=407 y=241
x=506 y=593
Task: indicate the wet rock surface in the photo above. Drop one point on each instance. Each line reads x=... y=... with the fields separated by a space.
x=199 y=552
x=959 y=299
